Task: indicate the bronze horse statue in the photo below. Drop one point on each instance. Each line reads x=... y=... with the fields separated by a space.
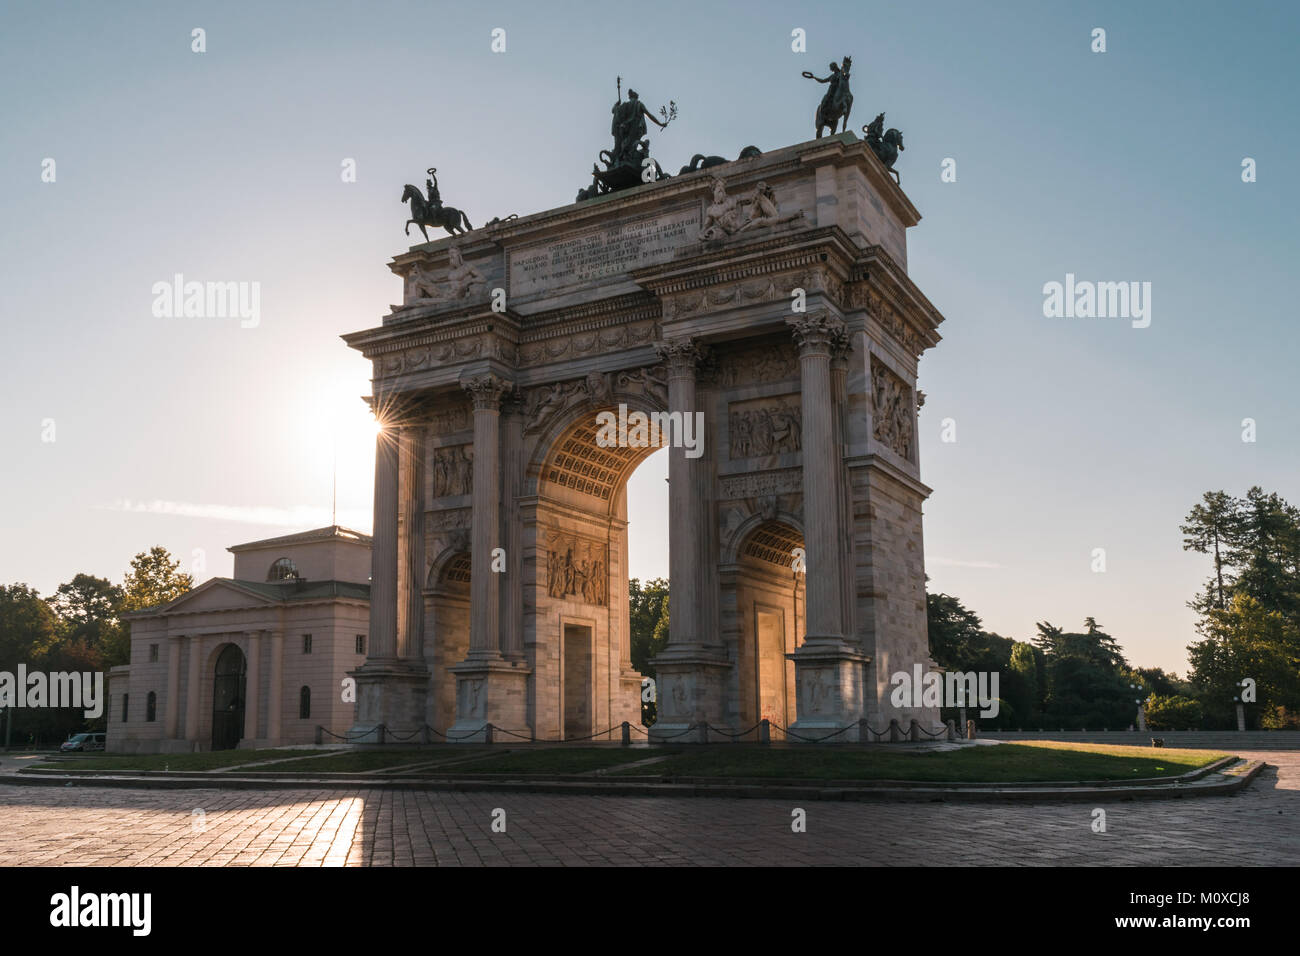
x=885 y=145
x=424 y=213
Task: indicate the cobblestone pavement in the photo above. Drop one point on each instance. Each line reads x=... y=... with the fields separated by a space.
x=107 y=826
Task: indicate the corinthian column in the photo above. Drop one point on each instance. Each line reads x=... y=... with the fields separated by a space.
x=383 y=555
x=411 y=462
x=682 y=356
x=484 y=584
x=816 y=334
x=173 y=710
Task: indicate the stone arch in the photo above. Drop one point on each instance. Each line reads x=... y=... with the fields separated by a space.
x=763 y=610
x=576 y=427
x=575 y=568
x=446 y=629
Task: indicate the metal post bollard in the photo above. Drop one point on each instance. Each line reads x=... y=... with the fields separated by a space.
x=424 y=733
x=487 y=733
x=895 y=731
x=764 y=731
x=704 y=732
x=952 y=728
x=383 y=729
x=864 y=731
x=914 y=731
x=320 y=735
x=627 y=734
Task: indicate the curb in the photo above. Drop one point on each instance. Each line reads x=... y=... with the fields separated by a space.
x=1168 y=789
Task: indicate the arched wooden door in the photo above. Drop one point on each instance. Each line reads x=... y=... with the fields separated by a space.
x=228 y=699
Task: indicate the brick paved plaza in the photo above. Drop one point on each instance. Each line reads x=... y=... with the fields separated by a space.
x=106 y=826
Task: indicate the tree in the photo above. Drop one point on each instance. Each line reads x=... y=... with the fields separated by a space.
x=1024 y=665
x=1173 y=713
x=28 y=626
x=1210 y=527
x=88 y=608
x=648 y=621
x=1246 y=640
x=1250 y=615
x=154 y=579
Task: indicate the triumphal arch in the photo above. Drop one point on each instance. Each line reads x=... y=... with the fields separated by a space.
x=768 y=299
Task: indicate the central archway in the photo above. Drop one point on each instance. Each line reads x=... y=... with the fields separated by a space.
x=576 y=541
x=228 y=696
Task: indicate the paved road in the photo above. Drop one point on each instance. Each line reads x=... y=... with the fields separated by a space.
x=106 y=826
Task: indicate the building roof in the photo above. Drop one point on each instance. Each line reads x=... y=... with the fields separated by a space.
x=331 y=533
x=272 y=591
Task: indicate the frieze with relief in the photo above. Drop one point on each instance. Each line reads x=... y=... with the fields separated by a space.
x=585 y=343
x=543 y=402
x=777 y=361
x=763 y=289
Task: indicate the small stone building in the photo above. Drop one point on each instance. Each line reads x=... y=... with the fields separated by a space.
x=257 y=659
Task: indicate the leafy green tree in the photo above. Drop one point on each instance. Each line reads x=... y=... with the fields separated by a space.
x=87 y=608
x=648 y=617
x=1087 y=682
x=1024 y=665
x=28 y=626
x=1173 y=713
x=154 y=579
x=1246 y=640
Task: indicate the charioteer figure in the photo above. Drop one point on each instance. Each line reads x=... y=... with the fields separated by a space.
x=838 y=101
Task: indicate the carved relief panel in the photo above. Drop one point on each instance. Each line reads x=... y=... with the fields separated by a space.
x=765 y=426
x=893 y=411
x=576 y=568
x=453 y=471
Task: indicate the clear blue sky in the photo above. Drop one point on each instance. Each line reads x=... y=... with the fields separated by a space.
x=1072 y=434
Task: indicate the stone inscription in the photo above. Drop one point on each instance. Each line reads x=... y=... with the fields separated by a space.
x=600 y=253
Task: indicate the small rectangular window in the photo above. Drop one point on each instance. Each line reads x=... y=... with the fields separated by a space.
x=361 y=643
x=153 y=653
x=306 y=643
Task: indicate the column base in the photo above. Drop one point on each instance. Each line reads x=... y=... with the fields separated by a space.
x=830 y=685
x=690 y=692
x=391 y=693
x=490 y=691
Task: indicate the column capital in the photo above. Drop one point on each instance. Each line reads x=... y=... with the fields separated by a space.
x=818 y=333
x=486 y=391
x=681 y=355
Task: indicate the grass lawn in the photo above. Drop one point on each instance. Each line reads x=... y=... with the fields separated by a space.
x=494 y=759
x=357 y=761
x=1032 y=761
x=208 y=760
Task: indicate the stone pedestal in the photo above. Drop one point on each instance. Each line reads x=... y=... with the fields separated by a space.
x=829 y=686
x=690 y=691
x=391 y=693
x=490 y=692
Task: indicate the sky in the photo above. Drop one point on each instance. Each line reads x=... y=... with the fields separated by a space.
x=122 y=429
